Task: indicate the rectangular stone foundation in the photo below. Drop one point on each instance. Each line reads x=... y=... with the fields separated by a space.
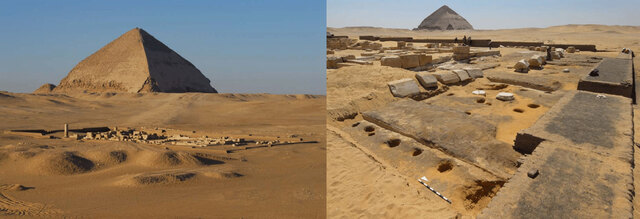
x=584 y=120
x=615 y=76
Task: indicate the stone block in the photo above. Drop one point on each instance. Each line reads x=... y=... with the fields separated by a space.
x=571 y=49
x=332 y=62
x=474 y=72
x=427 y=80
x=410 y=60
x=535 y=61
x=391 y=61
x=403 y=87
x=425 y=60
x=447 y=77
x=461 y=50
x=522 y=66
x=462 y=74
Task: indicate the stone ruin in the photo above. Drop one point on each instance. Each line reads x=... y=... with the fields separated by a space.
x=158 y=136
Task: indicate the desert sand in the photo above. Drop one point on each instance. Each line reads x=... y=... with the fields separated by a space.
x=376 y=172
x=63 y=177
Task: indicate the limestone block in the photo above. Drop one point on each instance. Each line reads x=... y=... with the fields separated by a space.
x=505 y=96
x=571 y=49
x=425 y=60
x=461 y=50
x=447 y=77
x=522 y=66
x=462 y=74
x=401 y=44
x=391 y=61
x=427 y=80
x=535 y=61
x=474 y=72
x=410 y=60
x=403 y=87
x=332 y=62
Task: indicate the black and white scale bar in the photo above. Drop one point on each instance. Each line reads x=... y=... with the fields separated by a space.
x=433 y=190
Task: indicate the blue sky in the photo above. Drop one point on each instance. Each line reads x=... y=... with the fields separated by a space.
x=484 y=14
x=248 y=46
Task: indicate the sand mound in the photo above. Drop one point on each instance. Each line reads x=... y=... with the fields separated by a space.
x=154 y=178
x=172 y=158
x=64 y=163
x=108 y=157
x=14 y=187
x=221 y=174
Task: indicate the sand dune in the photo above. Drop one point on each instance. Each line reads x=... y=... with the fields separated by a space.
x=101 y=178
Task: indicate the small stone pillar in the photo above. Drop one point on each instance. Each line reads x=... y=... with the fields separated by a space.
x=66 y=130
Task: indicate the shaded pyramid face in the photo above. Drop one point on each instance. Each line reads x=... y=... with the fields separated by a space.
x=135 y=62
x=445 y=19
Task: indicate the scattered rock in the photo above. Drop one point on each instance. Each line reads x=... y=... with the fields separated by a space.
x=533 y=174
x=565 y=70
x=505 y=96
x=479 y=92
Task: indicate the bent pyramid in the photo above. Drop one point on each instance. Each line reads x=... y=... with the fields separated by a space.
x=135 y=62
x=444 y=19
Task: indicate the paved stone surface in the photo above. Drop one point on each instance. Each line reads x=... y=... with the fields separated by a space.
x=413 y=159
x=584 y=120
x=615 y=76
x=534 y=82
x=448 y=130
x=572 y=183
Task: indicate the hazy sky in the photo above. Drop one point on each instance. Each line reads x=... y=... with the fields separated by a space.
x=484 y=14
x=248 y=46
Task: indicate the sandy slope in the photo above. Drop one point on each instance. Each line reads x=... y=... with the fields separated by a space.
x=97 y=178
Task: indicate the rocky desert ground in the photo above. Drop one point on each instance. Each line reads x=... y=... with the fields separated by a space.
x=470 y=144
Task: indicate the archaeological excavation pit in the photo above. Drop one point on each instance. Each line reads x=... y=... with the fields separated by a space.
x=533 y=105
x=393 y=142
x=416 y=152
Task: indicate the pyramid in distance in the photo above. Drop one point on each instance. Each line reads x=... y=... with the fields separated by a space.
x=444 y=19
x=135 y=62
